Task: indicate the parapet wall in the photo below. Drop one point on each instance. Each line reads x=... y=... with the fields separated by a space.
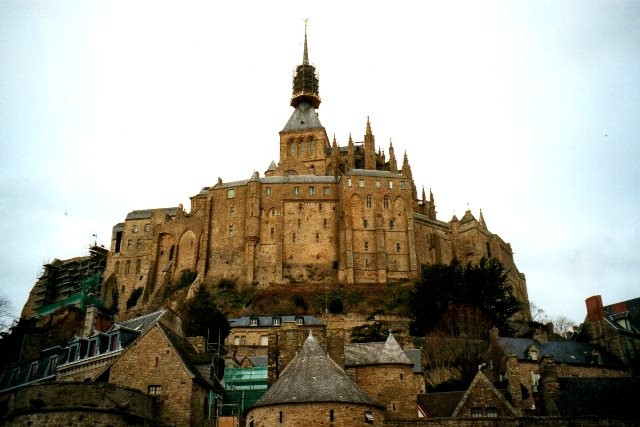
x=78 y=403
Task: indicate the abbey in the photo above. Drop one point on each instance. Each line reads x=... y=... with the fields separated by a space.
x=325 y=213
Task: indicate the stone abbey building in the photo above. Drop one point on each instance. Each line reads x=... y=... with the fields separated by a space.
x=325 y=213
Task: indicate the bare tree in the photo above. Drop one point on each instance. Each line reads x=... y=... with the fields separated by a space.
x=537 y=313
x=6 y=310
x=562 y=325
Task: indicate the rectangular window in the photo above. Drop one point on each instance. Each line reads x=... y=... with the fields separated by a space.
x=53 y=364
x=231 y=230
x=276 y=321
x=147 y=227
x=272 y=232
x=264 y=340
x=325 y=191
x=118 y=241
x=299 y=223
x=155 y=390
x=92 y=348
x=33 y=371
x=243 y=340
x=476 y=412
x=391 y=224
x=389 y=184
x=317 y=237
x=231 y=193
x=397 y=247
x=377 y=183
x=324 y=223
x=236 y=341
x=312 y=191
x=299 y=320
x=492 y=412
x=232 y=211
x=267 y=191
x=320 y=207
x=73 y=351
x=296 y=190
x=348 y=182
x=366 y=246
x=138 y=243
x=129 y=244
x=293 y=237
x=253 y=322
x=361 y=183
x=135 y=228
x=113 y=342
x=403 y=185
x=365 y=223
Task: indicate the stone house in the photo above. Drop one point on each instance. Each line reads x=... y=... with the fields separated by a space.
x=517 y=360
x=481 y=400
x=314 y=391
x=615 y=327
x=384 y=372
x=325 y=213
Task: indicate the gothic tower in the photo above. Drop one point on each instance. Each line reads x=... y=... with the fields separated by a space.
x=303 y=140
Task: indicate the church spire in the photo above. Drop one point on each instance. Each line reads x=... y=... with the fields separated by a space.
x=305 y=81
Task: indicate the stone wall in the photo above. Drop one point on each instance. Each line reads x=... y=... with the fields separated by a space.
x=315 y=414
x=515 y=422
x=68 y=404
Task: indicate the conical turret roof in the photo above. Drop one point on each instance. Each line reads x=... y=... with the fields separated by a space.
x=313 y=377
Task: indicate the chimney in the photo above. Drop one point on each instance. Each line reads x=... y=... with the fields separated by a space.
x=548 y=384
x=540 y=335
x=90 y=320
x=595 y=311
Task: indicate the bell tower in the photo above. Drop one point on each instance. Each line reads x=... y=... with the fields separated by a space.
x=303 y=140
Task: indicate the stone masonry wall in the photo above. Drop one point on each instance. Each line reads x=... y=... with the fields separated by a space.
x=67 y=404
x=315 y=414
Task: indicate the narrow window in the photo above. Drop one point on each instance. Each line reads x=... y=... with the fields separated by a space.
x=366 y=246
x=403 y=185
x=385 y=202
x=280 y=417
x=230 y=231
x=293 y=237
x=324 y=223
x=312 y=147
x=377 y=183
x=292 y=148
x=272 y=232
x=138 y=262
x=73 y=353
x=331 y=415
x=302 y=149
x=296 y=190
x=391 y=224
x=361 y=183
x=157 y=359
x=155 y=390
x=231 y=193
x=317 y=237
x=116 y=267
x=147 y=227
x=92 y=348
x=33 y=371
x=299 y=223
x=171 y=249
x=113 y=342
x=348 y=182
x=488 y=250
x=401 y=376
x=232 y=210
x=127 y=266
x=325 y=191
x=365 y=223
x=243 y=340
x=268 y=191
x=53 y=363
x=389 y=184
x=253 y=322
x=320 y=207
x=129 y=244
x=118 y=241
x=138 y=243
x=369 y=201
x=397 y=247
x=299 y=320
x=135 y=228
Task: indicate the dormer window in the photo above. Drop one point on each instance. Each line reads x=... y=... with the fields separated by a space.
x=51 y=367
x=73 y=353
x=299 y=320
x=533 y=353
x=92 y=348
x=253 y=321
x=113 y=342
x=33 y=371
x=276 y=321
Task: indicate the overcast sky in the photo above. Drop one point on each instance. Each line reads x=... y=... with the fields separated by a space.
x=528 y=110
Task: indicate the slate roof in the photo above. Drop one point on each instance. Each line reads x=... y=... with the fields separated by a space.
x=293 y=179
x=601 y=397
x=238 y=322
x=440 y=404
x=304 y=116
x=313 y=377
x=629 y=309
x=415 y=357
x=146 y=213
x=141 y=323
x=375 y=353
x=570 y=352
x=259 y=361
x=468 y=216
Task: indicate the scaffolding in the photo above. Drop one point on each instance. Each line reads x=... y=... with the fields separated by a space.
x=242 y=389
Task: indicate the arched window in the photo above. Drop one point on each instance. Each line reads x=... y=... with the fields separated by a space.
x=292 y=148
x=385 y=202
x=369 y=201
x=302 y=148
x=312 y=147
x=116 y=268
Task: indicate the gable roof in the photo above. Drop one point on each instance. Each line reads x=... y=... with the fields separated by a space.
x=375 y=353
x=482 y=378
x=141 y=323
x=570 y=352
x=440 y=404
x=185 y=351
x=313 y=377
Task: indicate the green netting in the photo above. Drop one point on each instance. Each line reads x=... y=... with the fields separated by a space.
x=243 y=387
x=81 y=300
